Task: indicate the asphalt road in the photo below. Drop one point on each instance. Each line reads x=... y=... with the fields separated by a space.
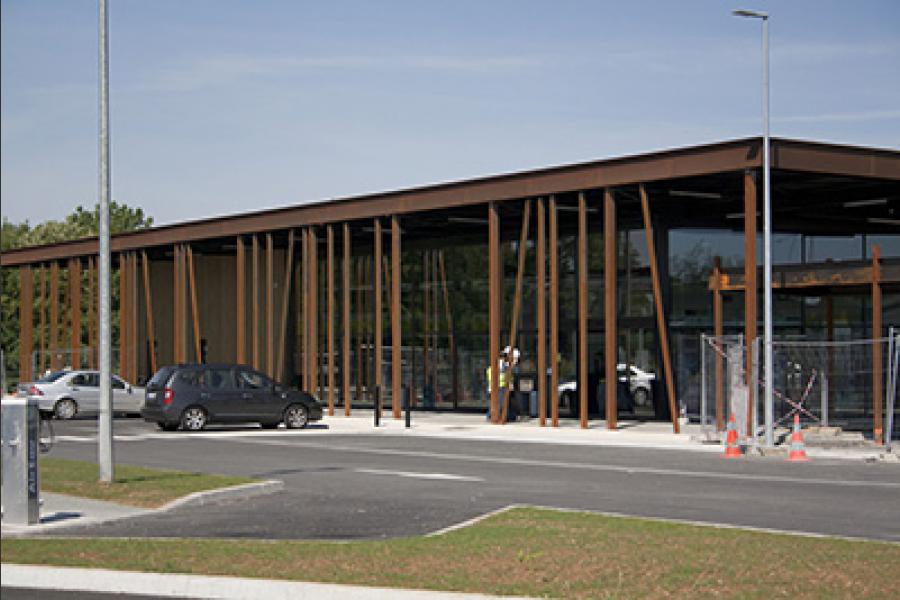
x=362 y=486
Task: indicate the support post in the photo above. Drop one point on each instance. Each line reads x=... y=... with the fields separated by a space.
x=240 y=325
x=345 y=292
x=270 y=305
x=718 y=332
x=583 y=277
x=450 y=330
x=148 y=301
x=135 y=306
x=517 y=303
x=26 y=321
x=54 y=316
x=396 y=323
x=539 y=268
x=91 y=315
x=329 y=318
x=426 y=318
x=609 y=306
x=877 y=358
x=195 y=313
x=124 y=306
x=494 y=302
x=750 y=287
x=42 y=322
x=176 y=304
x=304 y=302
x=313 y=312
x=254 y=310
x=379 y=313
x=661 y=325
x=75 y=310
x=554 y=313
x=285 y=300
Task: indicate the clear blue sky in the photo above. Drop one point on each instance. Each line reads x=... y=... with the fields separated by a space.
x=222 y=106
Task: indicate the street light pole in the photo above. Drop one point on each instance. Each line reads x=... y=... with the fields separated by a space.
x=767 y=229
x=104 y=424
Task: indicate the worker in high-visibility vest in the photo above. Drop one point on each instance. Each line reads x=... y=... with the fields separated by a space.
x=503 y=362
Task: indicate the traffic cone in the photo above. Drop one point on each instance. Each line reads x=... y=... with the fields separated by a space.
x=798 y=453
x=731 y=449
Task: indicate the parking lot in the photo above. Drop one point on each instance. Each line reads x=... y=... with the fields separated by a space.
x=357 y=485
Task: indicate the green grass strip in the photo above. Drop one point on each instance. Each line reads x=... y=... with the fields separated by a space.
x=531 y=552
x=135 y=486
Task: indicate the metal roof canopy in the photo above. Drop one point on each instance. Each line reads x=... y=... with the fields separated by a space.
x=809 y=176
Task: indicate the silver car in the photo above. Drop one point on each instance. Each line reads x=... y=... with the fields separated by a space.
x=69 y=393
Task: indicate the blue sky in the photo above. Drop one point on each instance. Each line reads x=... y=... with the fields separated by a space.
x=222 y=106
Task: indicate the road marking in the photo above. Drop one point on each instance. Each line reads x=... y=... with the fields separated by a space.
x=579 y=466
x=439 y=476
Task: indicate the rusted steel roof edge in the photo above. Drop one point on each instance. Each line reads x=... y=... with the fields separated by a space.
x=733 y=155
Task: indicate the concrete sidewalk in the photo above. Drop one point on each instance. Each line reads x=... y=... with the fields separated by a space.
x=198 y=586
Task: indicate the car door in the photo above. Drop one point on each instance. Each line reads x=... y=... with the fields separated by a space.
x=85 y=389
x=121 y=395
x=258 y=400
x=219 y=395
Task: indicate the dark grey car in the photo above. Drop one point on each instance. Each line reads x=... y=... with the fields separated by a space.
x=191 y=396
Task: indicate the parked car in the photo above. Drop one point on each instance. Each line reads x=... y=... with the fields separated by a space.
x=640 y=383
x=68 y=393
x=194 y=395
x=639 y=389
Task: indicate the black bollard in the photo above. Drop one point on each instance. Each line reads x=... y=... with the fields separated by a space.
x=377 y=405
x=408 y=404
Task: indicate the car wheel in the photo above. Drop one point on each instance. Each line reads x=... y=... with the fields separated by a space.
x=296 y=416
x=167 y=426
x=65 y=409
x=641 y=397
x=193 y=419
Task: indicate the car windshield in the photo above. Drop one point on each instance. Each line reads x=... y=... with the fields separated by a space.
x=51 y=377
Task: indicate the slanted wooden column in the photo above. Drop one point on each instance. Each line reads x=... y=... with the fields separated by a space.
x=554 y=313
x=718 y=331
x=75 y=310
x=609 y=306
x=517 y=303
x=240 y=324
x=54 y=316
x=345 y=292
x=454 y=354
x=26 y=323
x=285 y=301
x=329 y=319
x=661 y=326
x=379 y=313
x=148 y=301
x=750 y=287
x=877 y=358
x=583 y=277
x=195 y=313
x=539 y=269
x=494 y=302
x=396 y=323
x=254 y=307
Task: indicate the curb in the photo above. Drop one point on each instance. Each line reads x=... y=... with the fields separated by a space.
x=228 y=494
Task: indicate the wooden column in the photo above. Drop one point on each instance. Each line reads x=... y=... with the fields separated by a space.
x=426 y=321
x=240 y=324
x=454 y=356
x=133 y=315
x=176 y=305
x=345 y=292
x=91 y=315
x=396 y=324
x=54 y=316
x=329 y=319
x=285 y=301
x=195 y=313
x=124 y=329
x=494 y=302
x=539 y=269
x=254 y=303
x=718 y=331
x=877 y=372
x=554 y=313
x=360 y=320
x=313 y=311
x=270 y=305
x=42 y=323
x=26 y=323
x=661 y=326
x=517 y=302
x=304 y=301
x=750 y=288
x=379 y=316
x=148 y=301
x=75 y=310
x=583 y=276
x=609 y=306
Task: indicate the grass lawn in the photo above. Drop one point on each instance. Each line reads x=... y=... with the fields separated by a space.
x=530 y=552
x=136 y=486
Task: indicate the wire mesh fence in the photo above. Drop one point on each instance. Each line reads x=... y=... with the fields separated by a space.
x=850 y=384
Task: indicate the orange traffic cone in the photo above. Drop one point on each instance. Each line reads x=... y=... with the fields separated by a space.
x=798 y=453
x=731 y=449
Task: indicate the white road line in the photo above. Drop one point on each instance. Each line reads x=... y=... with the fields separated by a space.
x=581 y=466
x=439 y=476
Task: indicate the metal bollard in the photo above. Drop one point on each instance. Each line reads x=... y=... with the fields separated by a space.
x=21 y=486
x=377 y=406
x=408 y=405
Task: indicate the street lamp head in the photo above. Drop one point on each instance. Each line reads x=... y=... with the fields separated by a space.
x=753 y=14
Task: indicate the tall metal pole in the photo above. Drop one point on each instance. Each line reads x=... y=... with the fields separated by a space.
x=104 y=433
x=767 y=226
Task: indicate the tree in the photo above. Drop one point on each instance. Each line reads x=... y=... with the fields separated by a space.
x=80 y=224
